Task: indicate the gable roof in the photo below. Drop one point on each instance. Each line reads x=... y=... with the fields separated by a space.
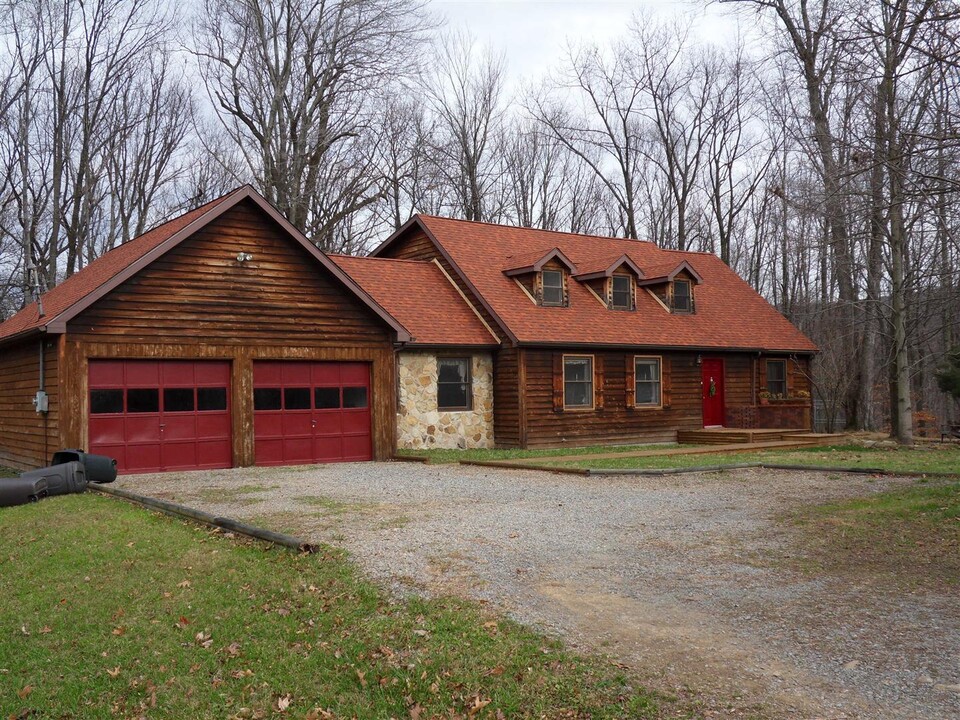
x=534 y=262
x=65 y=301
x=422 y=297
x=606 y=268
x=730 y=314
x=668 y=271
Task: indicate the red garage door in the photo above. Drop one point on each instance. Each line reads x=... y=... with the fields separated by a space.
x=311 y=412
x=154 y=415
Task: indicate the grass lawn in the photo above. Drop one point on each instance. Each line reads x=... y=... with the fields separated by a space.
x=109 y=610
x=911 y=535
x=7 y=472
x=452 y=456
x=921 y=459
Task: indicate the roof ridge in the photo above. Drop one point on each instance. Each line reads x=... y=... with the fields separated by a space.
x=536 y=229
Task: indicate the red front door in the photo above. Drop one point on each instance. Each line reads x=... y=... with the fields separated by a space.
x=311 y=412
x=157 y=415
x=712 y=381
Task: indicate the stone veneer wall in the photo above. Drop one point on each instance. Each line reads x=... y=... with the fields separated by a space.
x=421 y=425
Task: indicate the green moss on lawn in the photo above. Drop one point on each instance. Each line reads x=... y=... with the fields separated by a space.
x=109 y=610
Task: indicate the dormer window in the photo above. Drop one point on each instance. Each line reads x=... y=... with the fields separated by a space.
x=621 y=292
x=682 y=296
x=551 y=287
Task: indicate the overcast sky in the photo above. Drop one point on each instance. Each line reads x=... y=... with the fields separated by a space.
x=533 y=33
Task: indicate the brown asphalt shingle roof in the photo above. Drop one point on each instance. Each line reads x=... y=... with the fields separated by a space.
x=729 y=313
x=420 y=297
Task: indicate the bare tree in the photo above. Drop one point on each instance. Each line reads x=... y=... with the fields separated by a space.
x=297 y=85
x=466 y=95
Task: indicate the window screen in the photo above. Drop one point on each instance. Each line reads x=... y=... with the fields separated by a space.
x=552 y=281
x=647 y=381
x=682 y=301
x=454 y=387
x=621 y=292
x=578 y=381
x=777 y=377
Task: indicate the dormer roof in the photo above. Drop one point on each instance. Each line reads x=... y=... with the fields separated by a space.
x=666 y=272
x=534 y=262
x=602 y=268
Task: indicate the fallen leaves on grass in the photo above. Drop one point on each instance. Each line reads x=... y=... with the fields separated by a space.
x=26 y=690
x=113 y=672
x=283 y=702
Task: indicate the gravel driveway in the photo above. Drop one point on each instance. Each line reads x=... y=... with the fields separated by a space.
x=689 y=579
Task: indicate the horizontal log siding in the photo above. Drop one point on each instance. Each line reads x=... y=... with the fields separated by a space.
x=199 y=290
x=616 y=422
x=507 y=412
x=27 y=438
x=198 y=302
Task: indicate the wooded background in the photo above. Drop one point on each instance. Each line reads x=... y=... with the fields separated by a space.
x=821 y=162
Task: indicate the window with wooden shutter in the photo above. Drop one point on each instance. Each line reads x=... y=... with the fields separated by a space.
x=558 y=382
x=578 y=382
x=648 y=384
x=630 y=377
x=666 y=382
x=599 y=383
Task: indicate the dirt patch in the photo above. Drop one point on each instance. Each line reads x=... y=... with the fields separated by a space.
x=693 y=581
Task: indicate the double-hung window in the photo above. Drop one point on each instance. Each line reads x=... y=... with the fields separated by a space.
x=777 y=377
x=454 y=384
x=578 y=381
x=621 y=295
x=647 y=381
x=551 y=282
x=682 y=296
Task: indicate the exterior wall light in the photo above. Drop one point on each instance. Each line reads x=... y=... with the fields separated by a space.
x=244 y=257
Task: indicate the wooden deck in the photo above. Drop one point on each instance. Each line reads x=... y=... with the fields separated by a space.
x=729 y=436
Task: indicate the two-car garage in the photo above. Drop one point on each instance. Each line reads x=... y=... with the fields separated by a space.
x=161 y=415
x=222 y=338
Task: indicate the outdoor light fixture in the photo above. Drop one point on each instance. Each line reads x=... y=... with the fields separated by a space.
x=244 y=257
x=699 y=359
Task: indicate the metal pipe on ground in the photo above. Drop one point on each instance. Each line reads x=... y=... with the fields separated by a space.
x=287 y=541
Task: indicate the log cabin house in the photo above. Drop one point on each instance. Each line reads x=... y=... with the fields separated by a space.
x=224 y=338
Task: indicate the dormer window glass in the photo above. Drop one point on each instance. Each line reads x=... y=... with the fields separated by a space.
x=621 y=292
x=682 y=297
x=551 y=287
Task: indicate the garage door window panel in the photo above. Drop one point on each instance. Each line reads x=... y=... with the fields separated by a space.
x=104 y=402
x=326 y=398
x=143 y=400
x=211 y=399
x=267 y=399
x=178 y=400
x=354 y=397
x=296 y=398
